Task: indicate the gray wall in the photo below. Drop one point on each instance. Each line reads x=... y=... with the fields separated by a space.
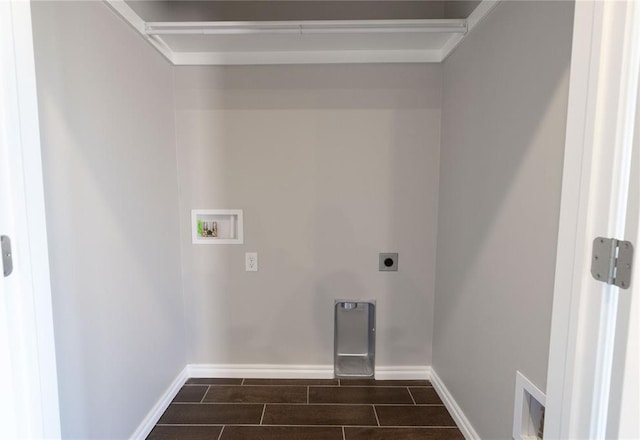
x=504 y=115
x=459 y=8
x=112 y=216
x=331 y=164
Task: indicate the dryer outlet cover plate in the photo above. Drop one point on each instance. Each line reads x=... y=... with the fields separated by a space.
x=388 y=262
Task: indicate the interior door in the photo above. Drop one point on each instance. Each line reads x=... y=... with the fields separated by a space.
x=28 y=379
x=8 y=418
x=590 y=357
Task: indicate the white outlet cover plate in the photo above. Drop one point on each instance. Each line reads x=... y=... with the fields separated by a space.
x=251 y=261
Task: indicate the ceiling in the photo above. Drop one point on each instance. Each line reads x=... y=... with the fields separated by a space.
x=276 y=10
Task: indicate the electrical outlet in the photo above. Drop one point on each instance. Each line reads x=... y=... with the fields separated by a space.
x=251 y=261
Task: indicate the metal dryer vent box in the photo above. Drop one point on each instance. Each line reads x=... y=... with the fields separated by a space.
x=354 y=338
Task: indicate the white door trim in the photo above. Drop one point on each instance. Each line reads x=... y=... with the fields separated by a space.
x=27 y=292
x=624 y=402
x=595 y=186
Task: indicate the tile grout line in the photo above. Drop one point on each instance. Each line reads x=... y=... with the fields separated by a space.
x=221 y=431
x=409 y=405
x=307 y=395
x=414 y=400
x=300 y=385
x=263 y=411
x=376 y=413
x=422 y=427
x=343 y=437
x=205 y=394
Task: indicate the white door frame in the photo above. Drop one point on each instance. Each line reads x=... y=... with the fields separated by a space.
x=599 y=140
x=624 y=403
x=28 y=366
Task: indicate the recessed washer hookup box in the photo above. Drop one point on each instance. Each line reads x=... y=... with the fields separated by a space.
x=354 y=339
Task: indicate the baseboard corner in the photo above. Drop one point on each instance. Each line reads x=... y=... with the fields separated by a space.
x=454 y=409
x=152 y=417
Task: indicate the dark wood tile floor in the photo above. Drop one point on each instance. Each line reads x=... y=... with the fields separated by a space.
x=299 y=409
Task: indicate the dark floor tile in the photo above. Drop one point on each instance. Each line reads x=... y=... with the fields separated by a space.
x=257 y=394
x=191 y=393
x=211 y=413
x=359 y=395
x=213 y=381
x=425 y=395
x=361 y=415
x=185 y=433
x=414 y=416
x=281 y=433
x=403 y=434
x=384 y=383
x=303 y=382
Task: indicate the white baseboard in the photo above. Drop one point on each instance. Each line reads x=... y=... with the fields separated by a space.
x=269 y=371
x=456 y=412
x=160 y=407
x=403 y=373
x=261 y=371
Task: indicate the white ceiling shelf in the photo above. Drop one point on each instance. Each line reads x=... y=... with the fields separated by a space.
x=304 y=41
x=306 y=27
